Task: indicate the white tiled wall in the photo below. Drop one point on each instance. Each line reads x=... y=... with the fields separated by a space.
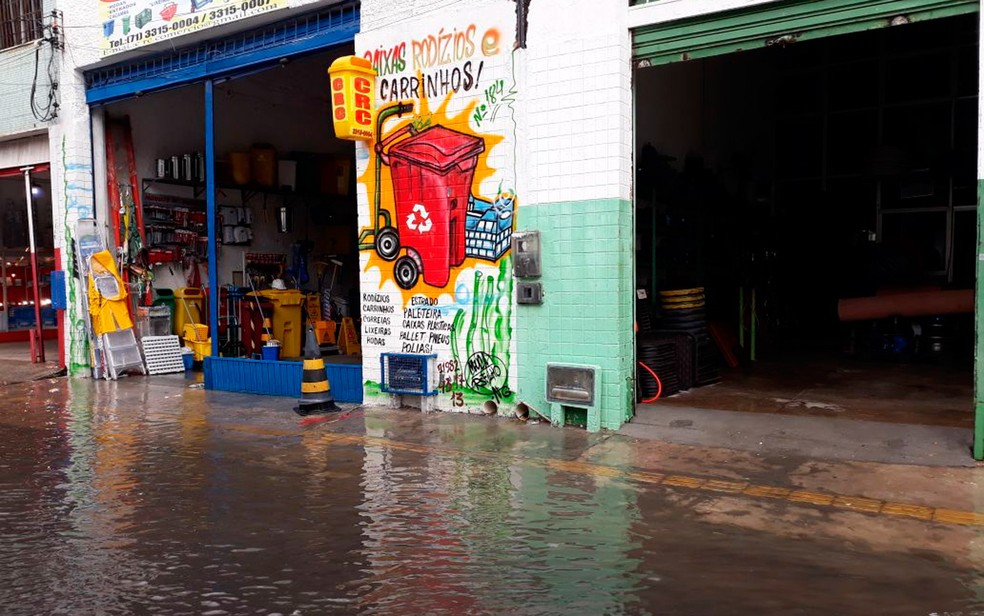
x=578 y=101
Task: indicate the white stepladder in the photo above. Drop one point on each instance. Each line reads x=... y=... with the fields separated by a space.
x=89 y=241
x=122 y=353
x=113 y=352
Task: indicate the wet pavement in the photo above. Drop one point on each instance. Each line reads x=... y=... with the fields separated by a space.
x=147 y=496
x=16 y=366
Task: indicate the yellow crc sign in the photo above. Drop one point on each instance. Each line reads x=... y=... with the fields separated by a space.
x=353 y=97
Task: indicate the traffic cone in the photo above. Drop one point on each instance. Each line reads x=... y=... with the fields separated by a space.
x=311 y=348
x=315 y=388
x=267 y=329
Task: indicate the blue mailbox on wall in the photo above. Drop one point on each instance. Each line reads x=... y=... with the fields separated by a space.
x=59 y=294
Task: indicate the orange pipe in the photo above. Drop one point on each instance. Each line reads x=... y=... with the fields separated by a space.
x=924 y=303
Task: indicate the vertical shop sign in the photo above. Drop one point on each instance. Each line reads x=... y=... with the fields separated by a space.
x=130 y=24
x=353 y=98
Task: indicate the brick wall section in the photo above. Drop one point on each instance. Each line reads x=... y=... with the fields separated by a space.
x=377 y=14
x=439 y=40
x=586 y=316
x=579 y=104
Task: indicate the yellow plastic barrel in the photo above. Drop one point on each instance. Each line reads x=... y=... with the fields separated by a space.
x=286 y=319
x=240 y=163
x=189 y=303
x=263 y=164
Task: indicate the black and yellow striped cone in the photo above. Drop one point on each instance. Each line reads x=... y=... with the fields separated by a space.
x=315 y=388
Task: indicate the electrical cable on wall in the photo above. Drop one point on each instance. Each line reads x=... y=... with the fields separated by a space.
x=48 y=110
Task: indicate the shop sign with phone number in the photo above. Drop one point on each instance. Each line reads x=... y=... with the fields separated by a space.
x=129 y=24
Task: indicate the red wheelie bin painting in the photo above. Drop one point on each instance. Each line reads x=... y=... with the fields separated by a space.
x=432 y=172
x=432 y=178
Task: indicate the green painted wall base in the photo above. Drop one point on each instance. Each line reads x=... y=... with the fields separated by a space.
x=979 y=428
x=979 y=331
x=587 y=312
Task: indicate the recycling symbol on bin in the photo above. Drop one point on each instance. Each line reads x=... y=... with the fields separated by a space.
x=421 y=225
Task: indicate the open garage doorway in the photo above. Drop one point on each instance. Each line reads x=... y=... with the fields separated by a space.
x=806 y=227
x=17 y=299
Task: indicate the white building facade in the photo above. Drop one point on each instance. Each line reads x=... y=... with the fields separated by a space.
x=531 y=108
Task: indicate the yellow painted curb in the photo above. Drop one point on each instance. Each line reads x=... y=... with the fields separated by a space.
x=846 y=502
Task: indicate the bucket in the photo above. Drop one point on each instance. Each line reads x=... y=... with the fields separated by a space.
x=270 y=352
x=189 y=360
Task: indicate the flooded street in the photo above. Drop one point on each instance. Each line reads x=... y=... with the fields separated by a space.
x=146 y=496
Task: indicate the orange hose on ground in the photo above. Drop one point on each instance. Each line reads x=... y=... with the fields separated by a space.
x=659 y=383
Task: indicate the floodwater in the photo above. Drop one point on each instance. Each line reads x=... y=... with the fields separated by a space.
x=147 y=497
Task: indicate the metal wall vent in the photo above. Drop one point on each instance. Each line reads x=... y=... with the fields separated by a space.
x=408 y=374
x=572 y=385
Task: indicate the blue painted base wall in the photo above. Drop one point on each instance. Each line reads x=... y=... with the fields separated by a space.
x=279 y=378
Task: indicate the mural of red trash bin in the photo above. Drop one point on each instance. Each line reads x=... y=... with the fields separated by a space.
x=432 y=179
x=432 y=173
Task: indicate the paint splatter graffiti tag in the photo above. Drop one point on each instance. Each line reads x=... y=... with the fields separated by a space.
x=487 y=374
x=78 y=204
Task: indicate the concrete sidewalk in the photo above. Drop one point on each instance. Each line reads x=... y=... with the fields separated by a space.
x=16 y=366
x=18 y=371
x=823 y=438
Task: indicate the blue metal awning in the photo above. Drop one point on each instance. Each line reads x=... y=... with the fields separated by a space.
x=242 y=52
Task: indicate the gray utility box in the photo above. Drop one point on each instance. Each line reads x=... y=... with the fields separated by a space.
x=526 y=254
x=529 y=293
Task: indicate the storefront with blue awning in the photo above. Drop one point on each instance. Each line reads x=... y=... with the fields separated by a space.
x=229 y=199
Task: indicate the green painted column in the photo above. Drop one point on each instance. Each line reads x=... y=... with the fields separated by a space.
x=979 y=328
x=979 y=295
x=587 y=313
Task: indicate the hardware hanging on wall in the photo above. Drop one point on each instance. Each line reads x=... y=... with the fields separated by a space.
x=285 y=219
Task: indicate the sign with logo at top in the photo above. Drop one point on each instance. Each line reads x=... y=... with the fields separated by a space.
x=353 y=98
x=130 y=24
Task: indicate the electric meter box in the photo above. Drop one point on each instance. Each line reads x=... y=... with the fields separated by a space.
x=526 y=252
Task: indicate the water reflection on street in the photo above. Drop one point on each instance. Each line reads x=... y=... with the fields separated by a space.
x=145 y=496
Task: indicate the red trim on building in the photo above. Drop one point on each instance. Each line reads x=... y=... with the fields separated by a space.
x=12 y=171
x=61 y=316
